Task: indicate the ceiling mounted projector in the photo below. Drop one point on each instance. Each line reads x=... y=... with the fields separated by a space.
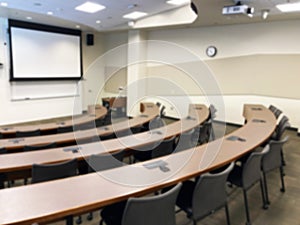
x=238 y=8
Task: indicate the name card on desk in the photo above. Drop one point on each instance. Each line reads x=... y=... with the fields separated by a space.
x=72 y=149
x=256 y=108
x=235 y=138
x=156 y=132
x=162 y=165
x=17 y=140
x=7 y=128
x=258 y=121
x=190 y=118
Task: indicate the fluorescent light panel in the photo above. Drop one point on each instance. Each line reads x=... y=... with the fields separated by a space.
x=135 y=15
x=4 y=4
x=289 y=7
x=90 y=7
x=178 y=2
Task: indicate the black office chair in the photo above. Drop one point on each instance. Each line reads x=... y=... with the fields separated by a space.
x=248 y=174
x=102 y=162
x=2 y=175
x=155 y=123
x=1 y=135
x=185 y=141
x=281 y=128
x=205 y=132
x=212 y=112
x=106 y=119
x=28 y=133
x=212 y=116
x=208 y=193
x=157 y=209
x=60 y=130
x=28 y=148
x=154 y=150
x=105 y=161
x=277 y=112
x=39 y=147
x=47 y=172
x=107 y=136
x=273 y=160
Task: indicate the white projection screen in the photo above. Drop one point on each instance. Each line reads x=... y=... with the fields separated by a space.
x=41 y=52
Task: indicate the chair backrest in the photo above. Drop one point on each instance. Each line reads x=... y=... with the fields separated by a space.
x=155 y=123
x=282 y=121
x=210 y=193
x=277 y=112
x=39 y=147
x=205 y=131
x=212 y=111
x=60 y=130
x=107 y=118
x=166 y=147
x=252 y=168
x=46 y=172
x=28 y=133
x=2 y=151
x=107 y=136
x=162 y=111
x=281 y=129
x=185 y=141
x=106 y=161
x=1 y=135
x=154 y=210
x=273 y=159
x=272 y=108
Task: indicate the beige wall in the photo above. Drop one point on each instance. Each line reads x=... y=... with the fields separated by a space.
x=115 y=73
x=260 y=59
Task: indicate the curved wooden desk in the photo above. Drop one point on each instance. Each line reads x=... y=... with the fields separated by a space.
x=150 y=111
x=52 y=200
x=94 y=113
x=23 y=161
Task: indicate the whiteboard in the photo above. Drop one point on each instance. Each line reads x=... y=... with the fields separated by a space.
x=43 y=89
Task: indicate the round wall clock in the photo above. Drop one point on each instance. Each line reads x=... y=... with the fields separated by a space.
x=211 y=51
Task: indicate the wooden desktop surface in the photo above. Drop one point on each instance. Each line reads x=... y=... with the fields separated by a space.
x=52 y=200
x=94 y=113
x=150 y=111
x=22 y=161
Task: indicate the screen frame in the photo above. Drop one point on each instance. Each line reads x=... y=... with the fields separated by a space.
x=46 y=28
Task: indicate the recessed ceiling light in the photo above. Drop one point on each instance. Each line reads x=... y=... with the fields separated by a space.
x=77 y=26
x=49 y=13
x=178 y=2
x=90 y=7
x=135 y=15
x=29 y=17
x=4 y=4
x=289 y=7
x=98 y=21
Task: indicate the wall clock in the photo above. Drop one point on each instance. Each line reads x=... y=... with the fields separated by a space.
x=211 y=51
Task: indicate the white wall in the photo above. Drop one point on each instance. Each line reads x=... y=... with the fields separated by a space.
x=41 y=106
x=94 y=71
